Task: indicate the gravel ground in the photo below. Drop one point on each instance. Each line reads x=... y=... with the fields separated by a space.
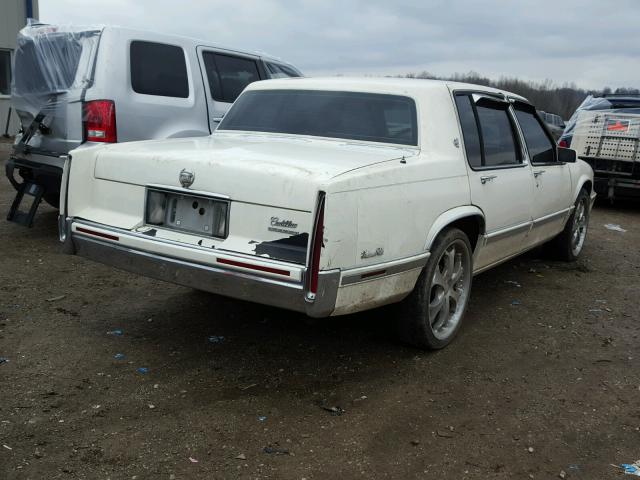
x=110 y=375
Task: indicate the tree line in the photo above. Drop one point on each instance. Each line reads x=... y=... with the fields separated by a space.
x=561 y=100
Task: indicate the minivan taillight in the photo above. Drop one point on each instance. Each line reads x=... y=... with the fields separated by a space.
x=316 y=247
x=99 y=120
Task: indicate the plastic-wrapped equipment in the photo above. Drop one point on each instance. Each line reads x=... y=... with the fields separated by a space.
x=52 y=67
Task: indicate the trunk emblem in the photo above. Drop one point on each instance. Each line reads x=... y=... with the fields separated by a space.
x=186 y=178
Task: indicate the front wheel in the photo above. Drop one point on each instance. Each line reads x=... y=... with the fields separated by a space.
x=432 y=314
x=569 y=243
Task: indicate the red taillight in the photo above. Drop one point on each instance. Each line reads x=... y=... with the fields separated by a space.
x=563 y=143
x=100 y=121
x=316 y=248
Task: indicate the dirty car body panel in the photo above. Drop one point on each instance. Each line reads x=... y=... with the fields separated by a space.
x=319 y=220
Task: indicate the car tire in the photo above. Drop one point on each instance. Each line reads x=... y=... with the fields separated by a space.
x=570 y=242
x=432 y=314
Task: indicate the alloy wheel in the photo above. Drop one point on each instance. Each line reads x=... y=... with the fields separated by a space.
x=449 y=289
x=579 y=227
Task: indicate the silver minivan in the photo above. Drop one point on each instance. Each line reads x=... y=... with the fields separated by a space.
x=74 y=87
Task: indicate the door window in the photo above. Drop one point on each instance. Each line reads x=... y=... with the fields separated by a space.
x=541 y=148
x=469 y=130
x=228 y=75
x=499 y=146
x=158 y=69
x=488 y=132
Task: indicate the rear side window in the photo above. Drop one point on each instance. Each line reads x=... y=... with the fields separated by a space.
x=229 y=75
x=488 y=132
x=158 y=69
x=498 y=138
x=370 y=117
x=541 y=148
x=469 y=130
x=278 y=70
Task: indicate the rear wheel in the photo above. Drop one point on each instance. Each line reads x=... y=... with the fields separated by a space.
x=569 y=243
x=432 y=314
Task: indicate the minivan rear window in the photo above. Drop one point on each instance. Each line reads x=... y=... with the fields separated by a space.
x=371 y=117
x=158 y=69
x=49 y=67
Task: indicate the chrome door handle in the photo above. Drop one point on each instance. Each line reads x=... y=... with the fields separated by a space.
x=538 y=173
x=487 y=178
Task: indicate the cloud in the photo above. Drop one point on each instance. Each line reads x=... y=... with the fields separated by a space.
x=587 y=42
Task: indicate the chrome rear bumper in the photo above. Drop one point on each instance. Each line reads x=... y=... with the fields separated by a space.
x=214 y=279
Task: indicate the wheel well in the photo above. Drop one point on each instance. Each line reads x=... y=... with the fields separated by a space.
x=588 y=185
x=472 y=226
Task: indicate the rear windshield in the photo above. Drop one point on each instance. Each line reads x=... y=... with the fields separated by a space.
x=48 y=66
x=368 y=117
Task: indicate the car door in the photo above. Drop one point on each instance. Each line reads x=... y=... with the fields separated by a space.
x=500 y=180
x=552 y=180
x=226 y=75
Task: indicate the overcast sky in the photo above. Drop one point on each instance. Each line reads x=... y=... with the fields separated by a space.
x=592 y=43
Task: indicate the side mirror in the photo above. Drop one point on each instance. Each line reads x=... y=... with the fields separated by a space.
x=566 y=155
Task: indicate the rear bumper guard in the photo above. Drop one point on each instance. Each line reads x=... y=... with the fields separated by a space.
x=42 y=173
x=108 y=247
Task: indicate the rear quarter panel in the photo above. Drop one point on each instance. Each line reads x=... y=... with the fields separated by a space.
x=393 y=205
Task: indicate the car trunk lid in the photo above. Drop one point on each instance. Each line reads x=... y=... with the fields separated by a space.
x=266 y=169
x=272 y=184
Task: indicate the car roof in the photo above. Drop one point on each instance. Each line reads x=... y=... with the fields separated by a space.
x=141 y=34
x=197 y=41
x=406 y=86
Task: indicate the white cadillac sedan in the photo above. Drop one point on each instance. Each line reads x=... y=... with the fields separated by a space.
x=332 y=196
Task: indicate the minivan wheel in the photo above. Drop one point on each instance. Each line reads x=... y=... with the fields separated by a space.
x=432 y=314
x=570 y=242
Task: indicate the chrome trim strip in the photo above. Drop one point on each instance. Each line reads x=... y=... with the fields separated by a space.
x=217 y=280
x=124 y=233
x=507 y=232
x=551 y=217
x=199 y=193
x=296 y=270
x=392 y=267
x=64 y=188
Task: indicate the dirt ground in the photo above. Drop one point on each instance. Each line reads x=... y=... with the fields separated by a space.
x=544 y=377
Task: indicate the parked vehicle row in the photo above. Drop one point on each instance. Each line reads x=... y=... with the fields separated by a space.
x=605 y=132
x=554 y=123
x=332 y=196
x=77 y=87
